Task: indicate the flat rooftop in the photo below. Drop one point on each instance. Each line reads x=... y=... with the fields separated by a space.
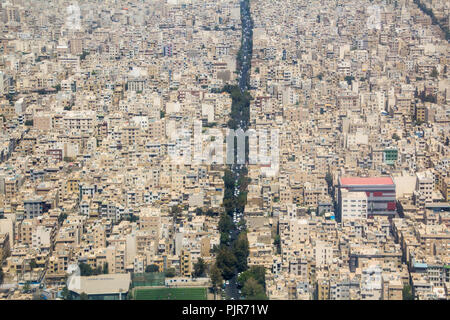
x=351 y=181
x=101 y=284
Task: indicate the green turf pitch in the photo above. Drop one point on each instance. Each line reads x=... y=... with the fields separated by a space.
x=171 y=294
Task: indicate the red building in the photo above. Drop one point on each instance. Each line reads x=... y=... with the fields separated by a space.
x=380 y=193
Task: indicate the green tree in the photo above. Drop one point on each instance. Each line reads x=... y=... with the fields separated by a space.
x=62 y=217
x=171 y=272
x=26 y=287
x=329 y=179
x=255 y=272
x=199 y=268
x=216 y=278
x=252 y=290
x=2 y=275
x=277 y=243
x=241 y=251
x=224 y=238
x=226 y=262
x=83 y=55
x=33 y=264
x=85 y=270
x=225 y=223
x=349 y=79
x=105 y=268
x=434 y=73
x=152 y=268
x=395 y=137
x=407 y=292
x=84 y=296
x=176 y=211
x=65 y=293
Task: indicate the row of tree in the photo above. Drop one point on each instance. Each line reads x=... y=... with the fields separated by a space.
x=240 y=106
x=87 y=270
x=232 y=254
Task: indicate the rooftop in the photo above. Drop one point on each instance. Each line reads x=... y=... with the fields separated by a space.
x=366 y=181
x=101 y=284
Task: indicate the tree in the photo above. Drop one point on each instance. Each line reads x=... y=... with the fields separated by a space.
x=395 y=137
x=224 y=238
x=199 y=268
x=2 y=275
x=65 y=293
x=62 y=217
x=407 y=292
x=86 y=270
x=152 y=268
x=241 y=251
x=170 y=273
x=226 y=262
x=175 y=211
x=105 y=268
x=83 y=55
x=252 y=290
x=84 y=296
x=255 y=272
x=26 y=287
x=133 y=218
x=329 y=180
x=29 y=123
x=277 y=243
x=349 y=79
x=211 y=213
x=225 y=223
x=216 y=278
x=33 y=264
x=434 y=73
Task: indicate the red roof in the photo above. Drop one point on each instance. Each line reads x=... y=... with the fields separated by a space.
x=367 y=181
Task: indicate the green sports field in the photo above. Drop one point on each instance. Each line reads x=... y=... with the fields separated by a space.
x=170 y=294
